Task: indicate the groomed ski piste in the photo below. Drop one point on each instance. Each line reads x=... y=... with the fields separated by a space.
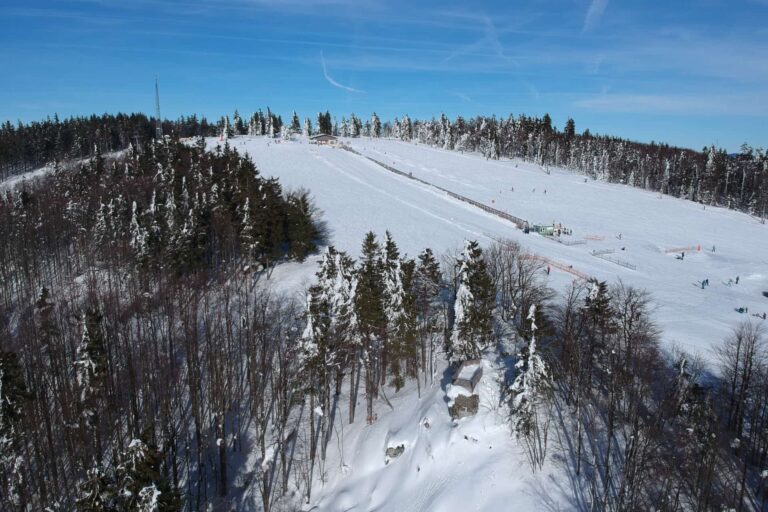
x=357 y=195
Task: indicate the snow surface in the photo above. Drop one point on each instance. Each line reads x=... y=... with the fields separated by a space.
x=31 y=176
x=474 y=463
x=468 y=371
x=469 y=464
x=357 y=195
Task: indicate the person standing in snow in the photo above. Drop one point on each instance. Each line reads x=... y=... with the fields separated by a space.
x=737 y=279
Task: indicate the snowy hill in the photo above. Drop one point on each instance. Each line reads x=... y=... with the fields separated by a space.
x=357 y=195
x=474 y=463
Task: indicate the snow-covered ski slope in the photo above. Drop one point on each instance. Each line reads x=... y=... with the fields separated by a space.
x=357 y=195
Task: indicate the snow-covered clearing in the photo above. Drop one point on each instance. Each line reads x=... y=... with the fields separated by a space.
x=469 y=464
x=356 y=195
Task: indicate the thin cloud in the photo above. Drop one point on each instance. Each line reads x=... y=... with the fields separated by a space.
x=332 y=81
x=594 y=15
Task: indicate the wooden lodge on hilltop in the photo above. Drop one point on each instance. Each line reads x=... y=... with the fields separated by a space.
x=323 y=138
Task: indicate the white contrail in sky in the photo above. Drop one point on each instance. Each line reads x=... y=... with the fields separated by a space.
x=332 y=81
x=594 y=14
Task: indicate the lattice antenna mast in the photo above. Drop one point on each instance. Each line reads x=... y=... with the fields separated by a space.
x=158 y=119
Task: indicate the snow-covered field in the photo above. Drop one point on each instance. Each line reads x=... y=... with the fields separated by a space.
x=357 y=195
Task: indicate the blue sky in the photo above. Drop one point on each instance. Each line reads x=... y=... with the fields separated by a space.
x=690 y=73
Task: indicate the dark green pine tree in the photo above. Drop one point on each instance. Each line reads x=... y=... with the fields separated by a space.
x=427 y=280
x=301 y=231
x=238 y=125
x=570 y=129
x=599 y=320
x=597 y=308
x=371 y=317
x=295 y=123
x=406 y=329
x=97 y=492
x=370 y=289
x=327 y=125
x=140 y=484
x=269 y=213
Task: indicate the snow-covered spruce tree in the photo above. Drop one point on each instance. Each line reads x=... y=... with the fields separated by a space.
x=375 y=125
x=315 y=356
x=406 y=350
x=427 y=282
x=307 y=130
x=139 y=236
x=530 y=391
x=339 y=280
x=354 y=126
x=370 y=306
x=473 y=309
x=446 y=139
x=13 y=396
x=226 y=128
x=270 y=128
x=394 y=298
x=91 y=375
x=327 y=340
x=248 y=241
